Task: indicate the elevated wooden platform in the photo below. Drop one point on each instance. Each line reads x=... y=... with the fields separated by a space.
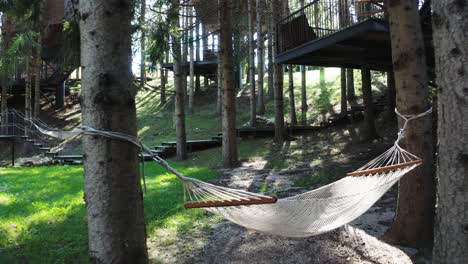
x=364 y=44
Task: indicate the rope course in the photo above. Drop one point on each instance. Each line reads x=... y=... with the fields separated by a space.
x=307 y=214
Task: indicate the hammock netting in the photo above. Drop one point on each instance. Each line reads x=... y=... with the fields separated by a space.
x=307 y=214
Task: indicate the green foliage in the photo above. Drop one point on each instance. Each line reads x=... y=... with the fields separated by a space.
x=164 y=25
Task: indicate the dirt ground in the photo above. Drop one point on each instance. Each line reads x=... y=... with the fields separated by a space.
x=306 y=157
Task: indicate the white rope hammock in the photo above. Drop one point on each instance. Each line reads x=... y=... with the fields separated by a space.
x=311 y=213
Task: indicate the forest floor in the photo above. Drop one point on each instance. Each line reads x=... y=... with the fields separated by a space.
x=308 y=162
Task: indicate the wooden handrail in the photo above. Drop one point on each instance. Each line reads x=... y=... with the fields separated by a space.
x=385 y=169
x=223 y=203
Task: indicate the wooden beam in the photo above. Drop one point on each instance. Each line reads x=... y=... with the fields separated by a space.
x=385 y=169
x=224 y=203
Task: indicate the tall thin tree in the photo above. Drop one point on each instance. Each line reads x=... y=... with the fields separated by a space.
x=142 y=43
x=260 y=56
x=253 y=107
x=6 y=38
x=116 y=226
x=450 y=26
x=350 y=86
x=230 y=151
x=191 y=44
x=181 y=137
x=344 y=102
x=280 y=133
x=304 y=106
x=271 y=33
x=219 y=83
x=370 y=131
x=38 y=59
x=413 y=222
x=292 y=102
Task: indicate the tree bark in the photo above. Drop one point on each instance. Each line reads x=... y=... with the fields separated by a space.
x=350 y=86
x=142 y=43
x=37 y=62
x=197 y=55
x=253 y=107
x=230 y=152
x=271 y=34
x=219 y=84
x=413 y=223
x=369 y=119
x=391 y=93
x=260 y=56
x=292 y=103
x=162 y=72
x=6 y=38
x=181 y=138
x=344 y=103
x=205 y=48
x=303 y=88
x=114 y=202
x=304 y=106
x=449 y=29
x=192 y=70
x=28 y=92
x=280 y=133
x=185 y=53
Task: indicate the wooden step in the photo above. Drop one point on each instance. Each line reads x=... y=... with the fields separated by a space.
x=68 y=157
x=44 y=149
x=51 y=154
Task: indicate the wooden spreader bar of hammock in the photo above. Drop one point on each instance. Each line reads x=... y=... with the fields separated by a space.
x=223 y=203
x=385 y=168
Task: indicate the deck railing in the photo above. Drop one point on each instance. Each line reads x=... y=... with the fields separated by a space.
x=323 y=17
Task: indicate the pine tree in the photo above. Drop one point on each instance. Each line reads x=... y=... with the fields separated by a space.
x=413 y=223
x=450 y=26
x=116 y=226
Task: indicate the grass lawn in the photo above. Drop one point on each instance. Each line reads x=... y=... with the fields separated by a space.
x=43 y=216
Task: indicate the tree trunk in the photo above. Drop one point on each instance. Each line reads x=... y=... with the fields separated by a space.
x=413 y=223
x=451 y=233
x=350 y=86
x=280 y=133
x=185 y=53
x=197 y=56
x=114 y=202
x=219 y=83
x=292 y=103
x=271 y=33
x=230 y=152
x=205 y=48
x=253 y=107
x=192 y=72
x=391 y=93
x=369 y=120
x=142 y=43
x=37 y=62
x=28 y=94
x=260 y=56
x=163 y=85
x=5 y=43
x=344 y=104
x=181 y=138
x=303 y=88
x=304 y=106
